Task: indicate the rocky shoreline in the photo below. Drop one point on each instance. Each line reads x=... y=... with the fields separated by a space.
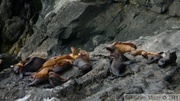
x=148 y=79
x=52 y=27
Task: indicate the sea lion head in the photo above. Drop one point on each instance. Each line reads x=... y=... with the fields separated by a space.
x=17 y=67
x=163 y=62
x=169 y=58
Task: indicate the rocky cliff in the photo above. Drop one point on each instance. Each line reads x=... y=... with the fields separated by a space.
x=94 y=86
x=51 y=27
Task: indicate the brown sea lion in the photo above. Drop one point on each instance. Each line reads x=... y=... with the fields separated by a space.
x=83 y=61
x=118 y=63
x=55 y=79
x=28 y=65
x=124 y=47
x=51 y=62
x=62 y=65
x=17 y=67
x=169 y=59
x=40 y=77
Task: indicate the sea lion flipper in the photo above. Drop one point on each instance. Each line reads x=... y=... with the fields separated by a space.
x=130 y=62
x=108 y=72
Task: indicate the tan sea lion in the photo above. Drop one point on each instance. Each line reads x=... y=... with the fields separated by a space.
x=40 y=77
x=124 y=47
x=51 y=62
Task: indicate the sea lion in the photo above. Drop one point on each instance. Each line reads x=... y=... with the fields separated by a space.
x=40 y=77
x=62 y=65
x=138 y=52
x=150 y=56
x=124 y=47
x=28 y=65
x=55 y=79
x=169 y=59
x=51 y=62
x=118 y=63
x=17 y=67
x=83 y=62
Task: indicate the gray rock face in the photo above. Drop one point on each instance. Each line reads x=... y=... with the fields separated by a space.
x=13 y=29
x=77 y=24
x=16 y=20
x=86 y=25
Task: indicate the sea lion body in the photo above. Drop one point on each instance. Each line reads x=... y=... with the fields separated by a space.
x=124 y=47
x=18 y=67
x=55 y=80
x=33 y=65
x=153 y=58
x=82 y=65
x=83 y=61
x=118 y=62
x=40 y=77
x=28 y=65
x=62 y=66
x=51 y=62
x=117 y=67
x=38 y=81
